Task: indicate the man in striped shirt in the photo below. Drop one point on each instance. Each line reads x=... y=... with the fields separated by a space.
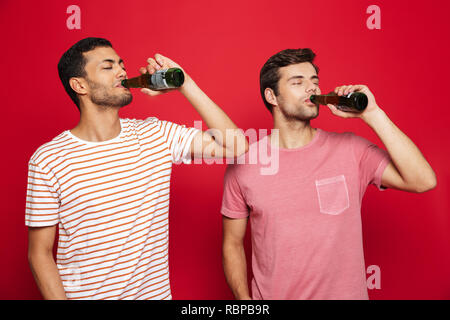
x=105 y=183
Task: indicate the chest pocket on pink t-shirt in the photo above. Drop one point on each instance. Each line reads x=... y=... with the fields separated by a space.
x=333 y=195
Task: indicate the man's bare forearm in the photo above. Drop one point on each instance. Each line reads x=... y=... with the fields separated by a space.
x=235 y=268
x=406 y=156
x=46 y=275
x=214 y=117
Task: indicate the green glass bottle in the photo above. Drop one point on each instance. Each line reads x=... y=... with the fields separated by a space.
x=160 y=80
x=352 y=102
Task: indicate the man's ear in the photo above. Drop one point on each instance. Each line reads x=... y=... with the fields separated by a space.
x=79 y=85
x=270 y=96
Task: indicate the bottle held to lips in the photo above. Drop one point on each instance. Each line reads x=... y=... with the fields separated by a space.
x=352 y=102
x=160 y=80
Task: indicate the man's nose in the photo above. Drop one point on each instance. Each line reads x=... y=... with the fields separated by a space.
x=122 y=73
x=311 y=87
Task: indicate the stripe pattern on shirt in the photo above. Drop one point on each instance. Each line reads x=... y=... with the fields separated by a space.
x=111 y=202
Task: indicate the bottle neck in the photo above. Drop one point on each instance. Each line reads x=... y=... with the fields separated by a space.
x=142 y=81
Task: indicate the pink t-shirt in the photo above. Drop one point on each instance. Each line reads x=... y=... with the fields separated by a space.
x=306 y=218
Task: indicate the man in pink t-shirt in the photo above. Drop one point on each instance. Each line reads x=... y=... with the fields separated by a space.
x=306 y=214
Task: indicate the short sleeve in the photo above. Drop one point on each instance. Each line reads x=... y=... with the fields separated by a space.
x=233 y=201
x=371 y=160
x=179 y=139
x=42 y=204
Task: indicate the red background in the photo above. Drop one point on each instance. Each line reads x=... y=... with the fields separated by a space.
x=223 y=45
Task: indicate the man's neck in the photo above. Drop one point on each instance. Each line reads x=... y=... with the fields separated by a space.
x=98 y=124
x=292 y=134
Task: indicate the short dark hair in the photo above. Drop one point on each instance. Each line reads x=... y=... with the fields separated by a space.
x=269 y=76
x=72 y=63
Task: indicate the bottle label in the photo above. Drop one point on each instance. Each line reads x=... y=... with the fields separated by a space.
x=159 y=79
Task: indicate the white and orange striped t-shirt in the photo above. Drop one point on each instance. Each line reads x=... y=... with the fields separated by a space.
x=111 y=202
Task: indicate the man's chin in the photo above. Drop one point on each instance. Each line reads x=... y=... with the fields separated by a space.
x=313 y=113
x=124 y=100
x=306 y=116
x=128 y=100
x=117 y=102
